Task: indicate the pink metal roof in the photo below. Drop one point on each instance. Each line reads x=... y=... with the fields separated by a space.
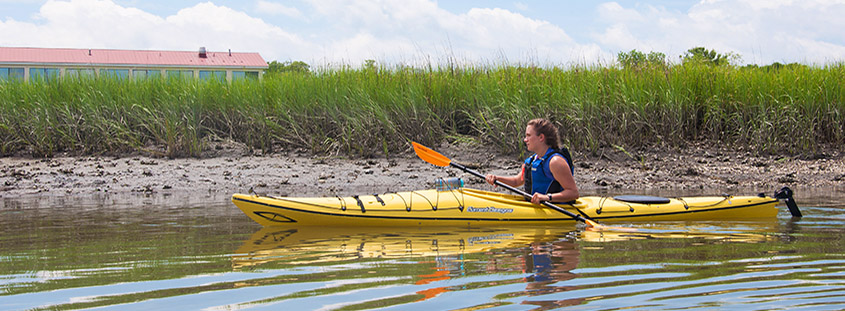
x=97 y=57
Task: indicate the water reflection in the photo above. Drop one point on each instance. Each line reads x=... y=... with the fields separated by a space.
x=758 y=230
x=428 y=262
x=211 y=257
x=422 y=259
x=306 y=245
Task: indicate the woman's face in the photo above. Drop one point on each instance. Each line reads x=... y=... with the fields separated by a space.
x=533 y=141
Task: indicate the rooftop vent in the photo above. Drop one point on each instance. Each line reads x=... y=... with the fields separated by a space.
x=203 y=54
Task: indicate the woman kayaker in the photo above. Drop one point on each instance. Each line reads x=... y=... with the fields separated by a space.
x=547 y=177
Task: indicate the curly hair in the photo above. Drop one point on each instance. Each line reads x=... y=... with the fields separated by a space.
x=547 y=128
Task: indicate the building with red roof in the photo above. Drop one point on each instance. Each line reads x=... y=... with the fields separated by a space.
x=50 y=63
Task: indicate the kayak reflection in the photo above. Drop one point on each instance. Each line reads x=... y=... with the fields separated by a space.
x=738 y=231
x=294 y=246
x=304 y=245
x=420 y=263
x=431 y=255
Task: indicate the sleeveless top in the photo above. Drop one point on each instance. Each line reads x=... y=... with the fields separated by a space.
x=538 y=175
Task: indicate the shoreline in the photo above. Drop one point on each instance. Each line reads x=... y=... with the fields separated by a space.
x=698 y=170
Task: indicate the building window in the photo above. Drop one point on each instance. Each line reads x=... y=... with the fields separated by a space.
x=79 y=72
x=11 y=73
x=146 y=73
x=219 y=75
x=43 y=74
x=114 y=73
x=180 y=74
x=241 y=75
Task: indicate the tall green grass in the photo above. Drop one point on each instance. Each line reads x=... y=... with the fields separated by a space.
x=364 y=112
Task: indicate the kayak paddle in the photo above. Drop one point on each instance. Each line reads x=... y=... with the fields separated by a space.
x=438 y=159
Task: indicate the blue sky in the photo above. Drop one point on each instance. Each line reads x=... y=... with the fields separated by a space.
x=418 y=32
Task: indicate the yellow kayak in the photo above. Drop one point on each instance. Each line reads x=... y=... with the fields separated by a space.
x=472 y=207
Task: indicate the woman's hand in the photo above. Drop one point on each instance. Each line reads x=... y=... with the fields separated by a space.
x=491 y=179
x=539 y=198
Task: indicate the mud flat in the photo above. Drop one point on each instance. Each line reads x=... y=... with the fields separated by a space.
x=697 y=170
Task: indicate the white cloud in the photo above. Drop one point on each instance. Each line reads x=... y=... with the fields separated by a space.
x=762 y=31
x=20 y=1
x=273 y=8
x=615 y=12
x=104 y=24
x=421 y=27
x=351 y=31
x=77 y=24
x=419 y=31
x=620 y=37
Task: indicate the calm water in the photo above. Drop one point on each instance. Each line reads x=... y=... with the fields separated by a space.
x=159 y=253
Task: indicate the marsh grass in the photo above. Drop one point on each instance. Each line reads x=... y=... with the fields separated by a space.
x=376 y=111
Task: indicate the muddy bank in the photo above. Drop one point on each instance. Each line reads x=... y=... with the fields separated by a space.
x=706 y=171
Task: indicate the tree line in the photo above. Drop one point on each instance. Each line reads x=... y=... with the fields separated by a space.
x=699 y=55
x=628 y=60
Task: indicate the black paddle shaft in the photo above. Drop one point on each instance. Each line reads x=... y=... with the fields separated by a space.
x=523 y=193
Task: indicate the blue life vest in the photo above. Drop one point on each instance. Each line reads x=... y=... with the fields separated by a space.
x=538 y=175
x=541 y=265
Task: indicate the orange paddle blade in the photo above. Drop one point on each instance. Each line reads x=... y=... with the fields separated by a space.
x=593 y=224
x=430 y=156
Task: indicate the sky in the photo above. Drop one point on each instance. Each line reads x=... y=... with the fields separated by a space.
x=423 y=32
